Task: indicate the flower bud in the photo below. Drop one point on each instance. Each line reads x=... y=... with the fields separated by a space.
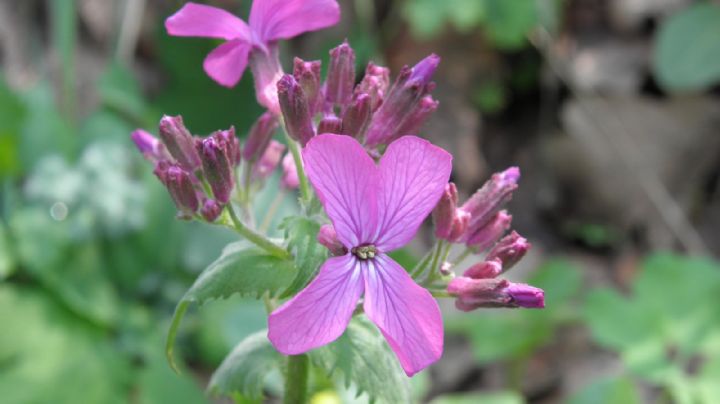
x=210 y=210
x=330 y=124
x=398 y=110
x=179 y=142
x=151 y=147
x=417 y=117
x=295 y=109
x=179 y=184
x=510 y=250
x=444 y=213
x=341 y=75
x=484 y=270
x=269 y=160
x=219 y=153
x=289 y=178
x=259 y=137
x=488 y=200
x=487 y=235
x=307 y=75
x=357 y=116
x=327 y=237
x=490 y=293
x=375 y=84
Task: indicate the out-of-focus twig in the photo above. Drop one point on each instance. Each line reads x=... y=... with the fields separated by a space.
x=129 y=30
x=670 y=211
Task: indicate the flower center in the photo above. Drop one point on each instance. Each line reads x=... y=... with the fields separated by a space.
x=364 y=252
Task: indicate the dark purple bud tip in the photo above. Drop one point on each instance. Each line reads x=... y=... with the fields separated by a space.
x=330 y=124
x=218 y=164
x=295 y=109
x=357 y=117
x=489 y=233
x=259 y=137
x=211 y=210
x=510 y=250
x=341 y=74
x=307 y=75
x=179 y=142
x=526 y=296
x=423 y=71
x=180 y=186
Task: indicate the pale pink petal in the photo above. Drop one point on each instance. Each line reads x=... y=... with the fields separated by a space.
x=413 y=175
x=272 y=20
x=406 y=313
x=319 y=313
x=206 y=21
x=226 y=63
x=346 y=180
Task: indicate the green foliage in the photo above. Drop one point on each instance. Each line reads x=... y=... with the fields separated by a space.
x=301 y=233
x=687 y=51
x=620 y=390
x=7 y=258
x=244 y=370
x=242 y=268
x=506 y=22
x=12 y=112
x=665 y=324
x=501 y=397
x=504 y=334
x=362 y=358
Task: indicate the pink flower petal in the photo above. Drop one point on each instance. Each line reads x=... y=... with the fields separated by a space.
x=319 y=313
x=407 y=314
x=226 y=63
x=346 y=181
x=206 y=21
x=272 y=20
x=413 y=175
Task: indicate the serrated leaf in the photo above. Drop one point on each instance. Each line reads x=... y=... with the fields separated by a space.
x=301 y=233
x=244 y=370
x=361 y=357
x=687 y=50
x=242 y=268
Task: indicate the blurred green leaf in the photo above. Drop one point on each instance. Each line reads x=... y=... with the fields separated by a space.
x=687 y=50
x=620 y=390
x=7 y=255
x=362 y=358
x=119 y=90
x=12 y=114
x=242 y=268
x=64 y=36
x=244 y=370
x=491 y=97
x=501 y=397
x=508 y=22
x=301 y=233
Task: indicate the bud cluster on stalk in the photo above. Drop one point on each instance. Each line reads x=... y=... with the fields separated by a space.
x=374 y=112
x=480 y=224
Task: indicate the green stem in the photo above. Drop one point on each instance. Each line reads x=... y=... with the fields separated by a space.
x=439 y=247
x=296 y=379
x=257 y=238
x=305 y=194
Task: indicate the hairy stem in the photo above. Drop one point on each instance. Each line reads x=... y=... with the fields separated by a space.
x=257 y=238
x=296 y=379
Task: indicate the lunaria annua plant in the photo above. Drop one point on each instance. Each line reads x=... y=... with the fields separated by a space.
x=366 y=183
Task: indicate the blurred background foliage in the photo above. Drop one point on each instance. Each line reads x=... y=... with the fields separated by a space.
x=92 y=260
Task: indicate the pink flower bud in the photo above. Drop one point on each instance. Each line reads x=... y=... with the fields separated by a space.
x=179 y=142
x=219 y=154
x=357 y=116
x=490 y=293
x=445 y=215
x=488 y=200
x=341 y=75
x=375 y=84
x=289 y=178
x=295 y=109
x=418 y=116
x=526 y=296
x=151 y=147
x=269 y=160
x=484 y=270
x=327 y=237
x=509 y=250
x=179 y=184
x=259 y=137
x=330 y=124
x=399 y=110
x=307 y=75
x=211 y=210
x=487 y=235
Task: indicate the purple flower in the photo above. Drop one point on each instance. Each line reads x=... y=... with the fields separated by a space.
x=151 y=147
x=256 y=42
x=490 y=293
x=374 y=210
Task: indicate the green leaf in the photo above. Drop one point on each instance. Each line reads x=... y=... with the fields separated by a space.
x=242 y=268
x=508 y=22
x=500 y=397
x=12 y=114
x=687 y=51
x=301 y=233
x=620 y=390
x=244 y=370
x=120 y=91
x=363 y=358
x=7 y=256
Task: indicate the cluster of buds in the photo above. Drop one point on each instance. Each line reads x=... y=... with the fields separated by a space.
x=373 y=111
x=480 y=224
x=183 y=162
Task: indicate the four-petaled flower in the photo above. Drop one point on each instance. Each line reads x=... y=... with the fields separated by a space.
x=256 y=42
x=374 y=210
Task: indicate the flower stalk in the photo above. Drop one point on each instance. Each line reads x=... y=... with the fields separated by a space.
x=296 y=379
x=256 y=238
